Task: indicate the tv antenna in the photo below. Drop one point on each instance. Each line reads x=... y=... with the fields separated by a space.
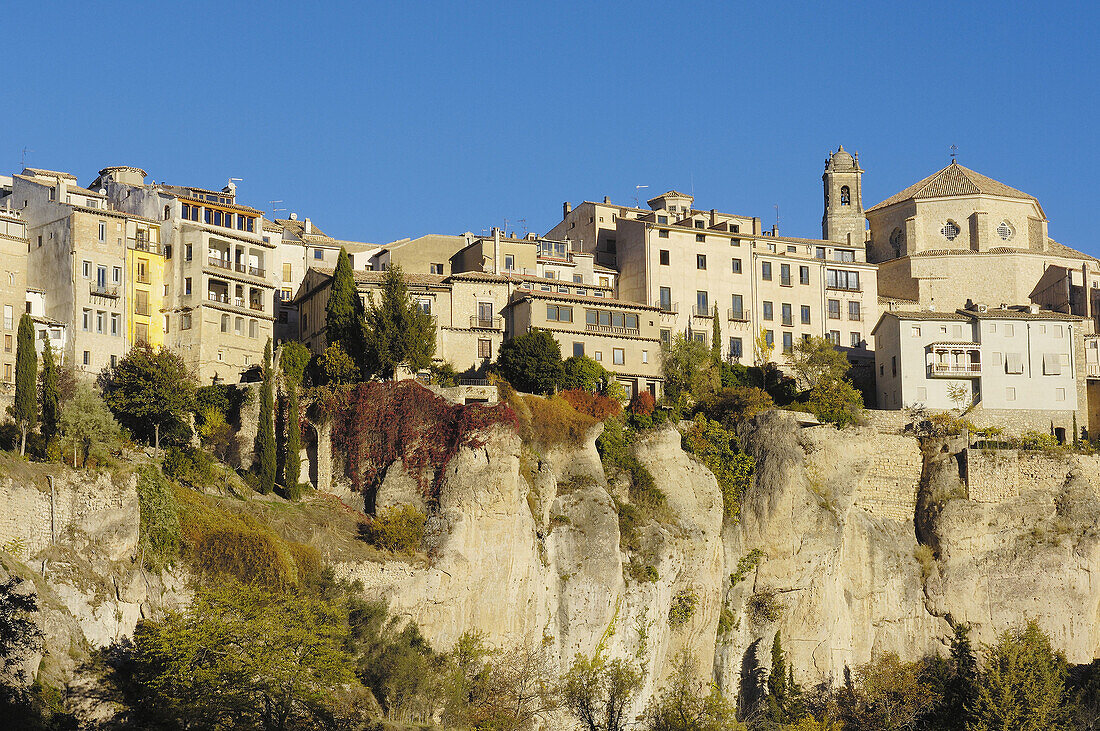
x=23 y=161
x=954 y=152
x=275 y=210
x=777 y=218
x=636 y=189
x=524 y=222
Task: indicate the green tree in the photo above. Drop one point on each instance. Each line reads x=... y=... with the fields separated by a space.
x=886 y=694
x=337 y=366
x=716 y=337
x=344 y=311
x=597 y=692
x=581 y=372
x=87 y=424
x=1022 y=685
x=686 y=704
x=50 y=394
x=690 y=371
x=293 y=359
x=151 y=393
x=784 y=695
x=815 y=361
x=398 y=333
x=531 y=362
x=244 y=657
x=837 y=402
x=25 y=408
x=265 y=433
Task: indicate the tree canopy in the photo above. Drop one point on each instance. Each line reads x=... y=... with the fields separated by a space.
x=49 y=394
x=398 y=332
x=531 y=362
x=691 y=373
x=151 y=392
x=87 y=424
x=344 y=311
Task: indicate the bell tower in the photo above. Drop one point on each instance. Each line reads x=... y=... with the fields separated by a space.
x=843 y=221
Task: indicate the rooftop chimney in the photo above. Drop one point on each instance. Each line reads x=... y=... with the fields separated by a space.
x=566 y=208
x=309 y=226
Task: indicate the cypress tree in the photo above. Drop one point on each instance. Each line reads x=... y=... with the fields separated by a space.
x=777 y=683
x=51 y=394
x=716 y=337
x=25 y=409
x=265 y=436
x=344 y=311
x=293 y=466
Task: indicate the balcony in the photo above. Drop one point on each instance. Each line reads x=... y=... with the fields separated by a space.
x=736 y=315
x=1092 y=370
x=839 y=288
x=257 y=306
x=218 y=297
x=142 y=245
x=220 y=263
x=103 y=290
x=667 y=307
x=698 y=311
x=487 y=323
x=255 y=271
x=957 y=370
x=611 y=329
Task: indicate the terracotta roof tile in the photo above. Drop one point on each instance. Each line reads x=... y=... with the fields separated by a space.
x=953 y=180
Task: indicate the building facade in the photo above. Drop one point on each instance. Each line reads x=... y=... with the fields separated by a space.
x=1016 y=359
x=13 y=288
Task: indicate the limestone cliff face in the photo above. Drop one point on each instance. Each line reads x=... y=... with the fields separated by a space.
x=527 y=549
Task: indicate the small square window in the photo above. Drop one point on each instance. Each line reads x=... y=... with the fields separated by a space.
x=618 y=356
x=663 y=233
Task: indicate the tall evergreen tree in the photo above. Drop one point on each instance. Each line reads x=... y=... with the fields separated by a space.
x=716 y=337
x=398 y=332
x=265 y=435
x=293 y=359
x=784 y=696
x=50 y=394
x=25 y=409
x=344 y=311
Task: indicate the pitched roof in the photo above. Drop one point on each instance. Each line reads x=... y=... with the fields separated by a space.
x=670 y=194
x=49 y=173
x=953 y=180
x=298 y=226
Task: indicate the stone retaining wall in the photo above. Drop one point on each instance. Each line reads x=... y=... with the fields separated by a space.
x=996 y=475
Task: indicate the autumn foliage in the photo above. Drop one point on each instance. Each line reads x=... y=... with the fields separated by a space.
x=595 y=405
x=380 y=423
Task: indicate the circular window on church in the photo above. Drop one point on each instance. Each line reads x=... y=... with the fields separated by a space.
x=1005 y=231
x=950 y=230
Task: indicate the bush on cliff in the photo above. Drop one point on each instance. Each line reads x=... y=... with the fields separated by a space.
x=399 y=529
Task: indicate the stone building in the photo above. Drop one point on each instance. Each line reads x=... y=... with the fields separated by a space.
x=959 y=236
x=80 y=256
x=219 y=286
x=302 y=245
x=1023 y=367
x=13 y=288
x=691 y=263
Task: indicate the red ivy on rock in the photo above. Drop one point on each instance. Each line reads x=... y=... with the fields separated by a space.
x=379 y=423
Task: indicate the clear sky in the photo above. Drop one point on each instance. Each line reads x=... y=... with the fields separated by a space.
x=381 y=121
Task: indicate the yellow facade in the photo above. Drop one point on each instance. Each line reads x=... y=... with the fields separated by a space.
x=145 y=286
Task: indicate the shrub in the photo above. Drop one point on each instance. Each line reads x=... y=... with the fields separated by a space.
x=926 y=558
x=188 y=466
x=1032 y=439
x=581 y=372
x=159 y=526
x=745 y=564
x=716 y=448
x=642 y=572
x=617 y=454
x=727 y=621
x=642 y=404
x=376 y=424
x=764 y=607
x=731 y=406
x=597 y=406
x=217 y=543
x=547 y=422
x=398 y=529
x=837 y=402
x=683 y=608
x=531 y=362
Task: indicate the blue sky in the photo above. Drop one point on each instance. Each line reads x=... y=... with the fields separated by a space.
x=387 y=120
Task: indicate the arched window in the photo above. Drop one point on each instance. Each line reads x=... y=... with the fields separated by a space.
x=845 y=196
x=167 y=212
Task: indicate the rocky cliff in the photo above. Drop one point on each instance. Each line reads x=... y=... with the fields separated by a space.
x=532 y=548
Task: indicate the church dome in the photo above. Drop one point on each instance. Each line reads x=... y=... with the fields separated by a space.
x=841 y=160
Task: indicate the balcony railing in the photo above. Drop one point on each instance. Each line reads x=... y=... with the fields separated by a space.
x=957 y=370
x=220 y=263
x=788 y=321
x=487 y=323
x=671 y=307
x=611 y=329
x=698 y=311
x=218 y=297
x=736 y=315
x=839 y=288
x=258 y=306
x=103 y=290
x=255 y=271
x=143 y=245
x=1092 y=370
